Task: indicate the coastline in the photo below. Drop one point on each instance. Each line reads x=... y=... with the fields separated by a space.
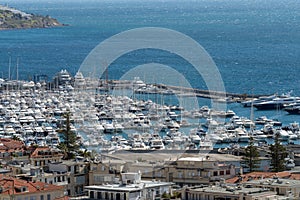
x=26 y=28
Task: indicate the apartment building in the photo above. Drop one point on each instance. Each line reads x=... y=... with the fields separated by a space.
x=13 y=188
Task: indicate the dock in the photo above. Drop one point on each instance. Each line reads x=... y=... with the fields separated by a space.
x=180 y=91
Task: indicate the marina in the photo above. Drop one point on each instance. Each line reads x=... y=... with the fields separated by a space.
x=140 y=121
x=149 y=100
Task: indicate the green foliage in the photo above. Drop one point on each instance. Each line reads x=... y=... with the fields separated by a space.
x=14 y=137
x=251 y=160
x=10 y=20
x=166 y=196
x=175 y=195
x=87 y=154
x=278 y=154
x=69 y=145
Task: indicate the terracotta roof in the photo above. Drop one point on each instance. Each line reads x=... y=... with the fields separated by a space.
x=10 y=145
x=44 y=151
x=62 y=198
x=14 y=186
x=35 y=153
x=258 y=175
x=295 y=177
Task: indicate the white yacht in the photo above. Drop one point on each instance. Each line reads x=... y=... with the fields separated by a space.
x=157 y=144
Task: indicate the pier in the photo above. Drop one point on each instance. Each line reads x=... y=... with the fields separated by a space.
x=179 y=90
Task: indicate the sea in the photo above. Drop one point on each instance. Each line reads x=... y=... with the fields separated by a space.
x=254 y=44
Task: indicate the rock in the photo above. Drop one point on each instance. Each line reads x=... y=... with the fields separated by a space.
x=11 y=18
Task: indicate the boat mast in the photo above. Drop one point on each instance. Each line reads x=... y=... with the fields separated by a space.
x=9 y=65
x=252 y=115
x=17 y=72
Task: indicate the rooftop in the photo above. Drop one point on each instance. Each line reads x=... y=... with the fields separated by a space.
x=262 y=175
x=45 y=151
x=233 y=189
x=130 y=187
x=276 y=182
x=10 y=185
x=10 y=145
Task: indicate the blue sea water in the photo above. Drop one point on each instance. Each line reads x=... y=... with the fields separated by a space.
x=255 y=44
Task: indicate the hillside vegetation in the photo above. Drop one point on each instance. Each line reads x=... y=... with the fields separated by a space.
x=15 y=19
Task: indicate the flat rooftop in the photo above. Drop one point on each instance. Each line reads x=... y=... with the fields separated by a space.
x=172 y=156
x=130 y=187
x=276 y=182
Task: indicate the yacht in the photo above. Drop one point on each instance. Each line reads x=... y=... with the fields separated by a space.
x=276 y=103
x=257 y=100
x=157 y=144
x=195 y=138
x=293 y=110
x=283 y=135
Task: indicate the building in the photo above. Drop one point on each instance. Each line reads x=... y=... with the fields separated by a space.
x=72 y=174
x=285 y=187
x=189 y=170
x=41 y=156
x=131 y=187
x=10 y=148
x=282 y=183
x=243 y=178
x=228 y=192
x=12 y=188
x=101 y=173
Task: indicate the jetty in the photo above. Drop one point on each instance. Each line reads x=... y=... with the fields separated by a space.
x=177 y=90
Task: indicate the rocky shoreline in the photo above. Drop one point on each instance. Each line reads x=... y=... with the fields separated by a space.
x=11 y=18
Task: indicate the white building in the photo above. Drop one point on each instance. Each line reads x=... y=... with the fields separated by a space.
x=131 y=187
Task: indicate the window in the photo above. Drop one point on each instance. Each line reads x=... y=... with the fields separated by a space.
x=215 y=173
x=99 y=195
x=48 y=197
x=179 y=174
x=227 y=172
x=221 y=172
x=42 y=197
x=92 y=195
x=33 y=198
x=118 y=196
x=80 y=180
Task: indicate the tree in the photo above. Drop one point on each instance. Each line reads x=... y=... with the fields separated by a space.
x=88 y=154
x=278 y=154
x=14 y=137
x=68 y=145
x=251 y=158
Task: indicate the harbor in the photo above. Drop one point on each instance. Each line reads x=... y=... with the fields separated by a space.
x=136 y=116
